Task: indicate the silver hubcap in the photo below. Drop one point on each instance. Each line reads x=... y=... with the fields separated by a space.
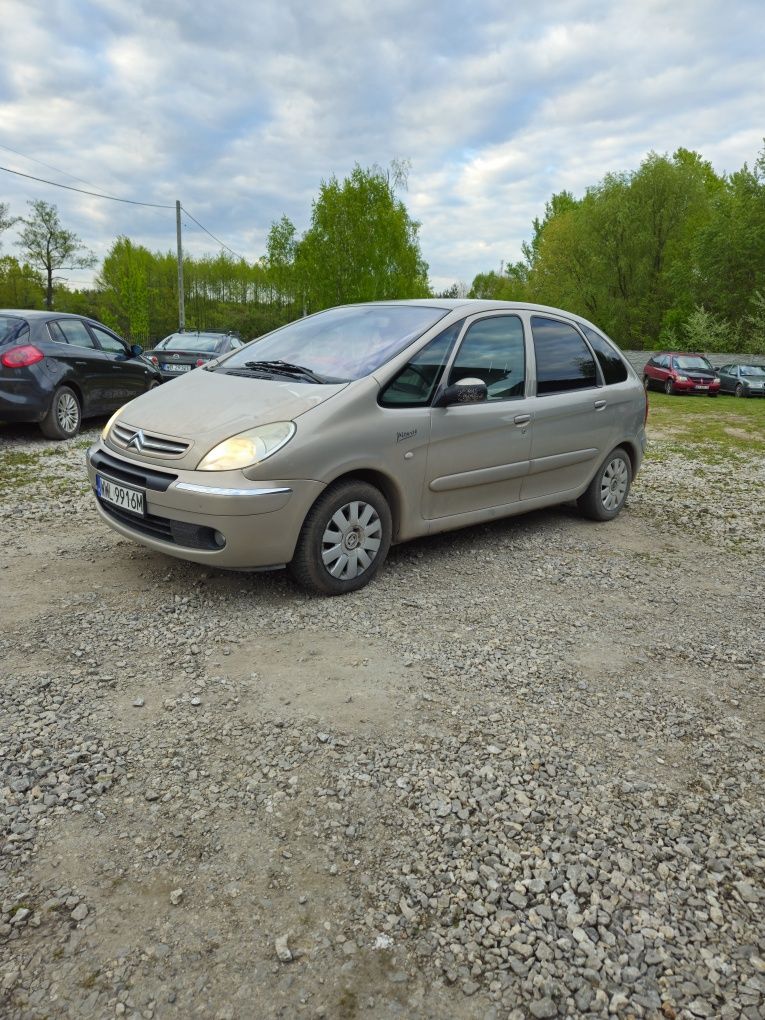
x=351 y=540
x=613 y=486
x=67 y=412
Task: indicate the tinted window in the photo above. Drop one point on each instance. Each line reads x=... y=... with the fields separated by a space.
x=416 y=382
x=11 y=328
x=493 y=352
x=198 y=342
x=564 y=361
x=109 y=342
x=611 y=365
x=75 y=332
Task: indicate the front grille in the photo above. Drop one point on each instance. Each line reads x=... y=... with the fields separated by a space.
x=146 y=477
x=149 y=442
x=189 y=536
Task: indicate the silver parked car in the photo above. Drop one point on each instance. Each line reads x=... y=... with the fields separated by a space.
x=321 y=443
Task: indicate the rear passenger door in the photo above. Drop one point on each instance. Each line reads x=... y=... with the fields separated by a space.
x=85 y=363
x=572 y=429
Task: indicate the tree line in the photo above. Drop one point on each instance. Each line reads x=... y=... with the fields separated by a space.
x=671 y=254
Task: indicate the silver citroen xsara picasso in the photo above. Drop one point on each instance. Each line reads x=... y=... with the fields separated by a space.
x=318 y=445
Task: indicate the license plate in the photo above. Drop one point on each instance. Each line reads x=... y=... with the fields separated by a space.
x=120 y=495
x=701 y=387
x=176 y=368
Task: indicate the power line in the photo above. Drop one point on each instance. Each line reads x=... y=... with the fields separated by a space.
x=95 y=194
x=48 y=165
x=217 y=239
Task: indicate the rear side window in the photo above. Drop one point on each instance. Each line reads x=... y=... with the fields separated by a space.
x=75 y=333
x=12 y=328
x=564 y=361
x=416 y=382
x=493 y=351
x=611 y=365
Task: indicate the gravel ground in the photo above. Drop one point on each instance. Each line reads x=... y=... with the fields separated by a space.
x=521 y=775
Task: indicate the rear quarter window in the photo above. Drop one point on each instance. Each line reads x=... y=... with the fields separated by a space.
x=611 y=365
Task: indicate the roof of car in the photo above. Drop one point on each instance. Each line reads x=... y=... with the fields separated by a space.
x=42 y=313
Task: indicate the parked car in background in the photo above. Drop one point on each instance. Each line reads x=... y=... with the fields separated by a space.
x=180 y=352
x=328 y=439
x=675 y=372
x=56 y=369
x=743 y=380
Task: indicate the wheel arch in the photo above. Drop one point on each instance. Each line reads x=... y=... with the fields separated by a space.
x=393 y=495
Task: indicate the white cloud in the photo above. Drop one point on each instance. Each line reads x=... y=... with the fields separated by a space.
x=241 y=109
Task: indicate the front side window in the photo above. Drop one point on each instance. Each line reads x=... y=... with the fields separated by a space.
x=76 y=333
x=564 y=361
x=415 y=384
x=493 y=351
x=109 y=342
x=340 y=344
x=611 y=365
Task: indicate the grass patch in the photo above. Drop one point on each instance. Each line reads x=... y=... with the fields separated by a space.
x=730 y=424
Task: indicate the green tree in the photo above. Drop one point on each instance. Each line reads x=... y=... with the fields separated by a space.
x=6 y=220
x=50 y=246
x=20 y=285
x=361 y=245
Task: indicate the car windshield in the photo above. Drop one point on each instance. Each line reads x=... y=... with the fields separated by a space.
x=758 y=370
x=340 y=344
x=10 y=327
x=689 y=362
x=189 y=342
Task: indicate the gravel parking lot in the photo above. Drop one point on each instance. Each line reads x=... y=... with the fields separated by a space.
x=521 y=775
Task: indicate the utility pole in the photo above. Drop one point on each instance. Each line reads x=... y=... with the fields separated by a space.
x=181 y=310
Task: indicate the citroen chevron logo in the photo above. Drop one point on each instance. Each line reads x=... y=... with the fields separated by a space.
x=137 y=441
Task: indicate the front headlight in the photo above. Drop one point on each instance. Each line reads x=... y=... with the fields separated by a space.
x=107 y=427
x=248 y=448
x=681 y=378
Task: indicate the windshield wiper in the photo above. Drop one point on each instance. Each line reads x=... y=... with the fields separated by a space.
x=285 y=368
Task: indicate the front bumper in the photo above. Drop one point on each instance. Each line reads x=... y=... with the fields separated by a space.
x=219 y=518
x=692 y=387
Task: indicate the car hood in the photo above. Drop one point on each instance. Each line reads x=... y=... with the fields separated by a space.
x=204 y=408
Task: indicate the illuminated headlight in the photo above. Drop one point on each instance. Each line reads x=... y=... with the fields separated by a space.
x=248 y=448
x=105 y=430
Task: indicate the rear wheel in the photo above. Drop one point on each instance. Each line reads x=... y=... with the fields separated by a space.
x=608 y=491
x=344 y=539
x=64 y=415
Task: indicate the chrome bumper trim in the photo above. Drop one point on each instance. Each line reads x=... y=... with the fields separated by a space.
x=214 y=490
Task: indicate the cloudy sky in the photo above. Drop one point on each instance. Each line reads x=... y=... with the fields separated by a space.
x=240 y=108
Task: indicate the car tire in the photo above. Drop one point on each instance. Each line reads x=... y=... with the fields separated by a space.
x=740 y=391
x=607 y=492
x=64 y=415
x=152 y=385
x=646 y=383
x=348 y=519
x=669 y=389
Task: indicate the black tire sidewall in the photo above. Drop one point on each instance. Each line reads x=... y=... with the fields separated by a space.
x=590 y=502
x=50 y=425
x=307 y=567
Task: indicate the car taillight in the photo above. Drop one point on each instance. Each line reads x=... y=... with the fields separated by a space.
x=153 y=359
x=200 y=361
x=22 y=357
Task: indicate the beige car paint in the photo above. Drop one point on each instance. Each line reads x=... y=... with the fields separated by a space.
x=439 y=468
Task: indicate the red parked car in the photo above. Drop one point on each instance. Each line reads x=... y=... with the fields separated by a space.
x=677 y=372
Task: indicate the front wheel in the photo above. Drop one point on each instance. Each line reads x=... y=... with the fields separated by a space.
x=344 y=539
x=669 y=389
x=740 y=391
x=646 y=383
x=64 y=415
x=607 y=492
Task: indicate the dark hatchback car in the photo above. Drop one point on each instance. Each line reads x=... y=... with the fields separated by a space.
x=743 y=380
x=179 y=353
x=676 y=372
x=56 y=369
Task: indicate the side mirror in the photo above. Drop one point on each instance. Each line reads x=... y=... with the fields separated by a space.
x=464 y=391
x=136 y=350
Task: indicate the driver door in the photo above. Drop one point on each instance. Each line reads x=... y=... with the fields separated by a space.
x=479 y=453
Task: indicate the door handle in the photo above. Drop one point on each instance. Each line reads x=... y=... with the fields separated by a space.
x=522 y=419
x=600 y=404
x=81 y=364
